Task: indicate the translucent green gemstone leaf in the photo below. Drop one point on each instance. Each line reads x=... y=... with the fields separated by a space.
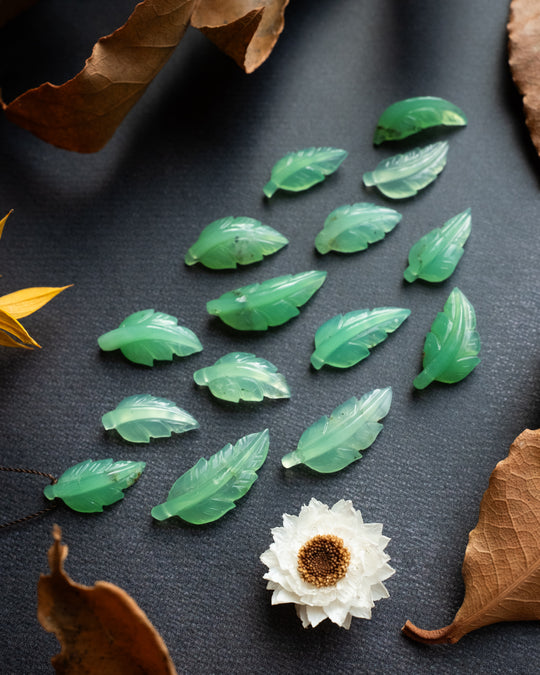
x=434 y=257
x=239 y=375
x=230 y=241
x=142 y=417
x=91 y=485
x=452 y=345
x=346 y=339
x=404 y=175
x=334 y=442
x=270 y=303
x=407 y=117
x=211 y=487
x=148 y=335
x=301 y=170
x=352 y=228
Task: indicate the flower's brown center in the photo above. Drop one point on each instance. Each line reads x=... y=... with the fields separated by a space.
x=323 y=560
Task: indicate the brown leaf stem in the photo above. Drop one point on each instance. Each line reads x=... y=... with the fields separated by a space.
x=446 y=635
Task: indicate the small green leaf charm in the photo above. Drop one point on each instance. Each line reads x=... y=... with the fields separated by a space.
x=270 y=303
x=229 y=242
x=90 y=485
x=352 y=228
x=434 y=257
x=334 y=442
x=404 y=175
x=239 y=375
x=407 y=117
x=211 y=487
x=452 y=345
x=301 y=170
x=148 y=335
x=346 y=339
x=142 y=417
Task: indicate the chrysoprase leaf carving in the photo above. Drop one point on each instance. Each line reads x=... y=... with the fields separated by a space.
x=141 y=417
x=101 y=629
x=210 y=488
x=501 y=567
x=243 y=376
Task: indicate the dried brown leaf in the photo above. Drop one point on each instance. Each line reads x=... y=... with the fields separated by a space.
x=246 y=30
x=524 y=60
x=101 y=628
x=501 y=567
x=83 y=113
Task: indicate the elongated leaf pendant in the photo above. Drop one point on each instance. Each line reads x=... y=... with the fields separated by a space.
x=334 y=442
x=407 y=117
x=148 y=335
x=239 y=375
x=211 y=487
x=270 y=303
x=346 y=339
x=452 y=345
x=435 y=256
x=90 y=485
x=301 y=170
x=404 y=175
x=142 y=417
x=229 y=242
x=349 y=229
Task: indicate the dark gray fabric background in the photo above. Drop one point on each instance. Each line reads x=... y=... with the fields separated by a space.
x=199 y=146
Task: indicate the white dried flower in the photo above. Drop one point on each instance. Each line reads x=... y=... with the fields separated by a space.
x=328 y=562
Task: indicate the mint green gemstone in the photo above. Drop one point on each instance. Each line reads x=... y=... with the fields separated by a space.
x=452 y=345
x=435 y=256
x=270 y=303
x=148 y=335
x=142 y=417
x=407 y=117
x=229 y=242
x=301 y=170
x=346 y=339
x=334 y=442
x=404 y=175
x=242 y=376
x=211 y=487
x=349 y=229
x=90 y=485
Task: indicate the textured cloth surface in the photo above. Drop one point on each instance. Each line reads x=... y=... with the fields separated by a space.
x=199 y=146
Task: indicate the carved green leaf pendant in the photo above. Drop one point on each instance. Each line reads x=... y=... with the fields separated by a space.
x=211 y=487
x=229 y=242
x=352 y=228
x=334 y=442
x=90 y=485
x=435 y=256
x=452 y=345
x=404 y=175
x=301 y=170
x=142 y=417
x=148 y=335
x=270 y=303
x=407 y=117
x=241 y=376
x=346 y=339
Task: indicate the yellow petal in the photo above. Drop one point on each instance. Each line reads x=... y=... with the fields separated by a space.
x=3 y=221
x=28 y=300
x=13 y=327
x=7 y=341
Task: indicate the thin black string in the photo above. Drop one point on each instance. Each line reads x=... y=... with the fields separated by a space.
x=18 y=521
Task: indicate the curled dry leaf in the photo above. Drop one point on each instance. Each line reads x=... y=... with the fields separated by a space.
x=101 y=628
x=501 y=567
x=524 y=60
x=83 y=113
